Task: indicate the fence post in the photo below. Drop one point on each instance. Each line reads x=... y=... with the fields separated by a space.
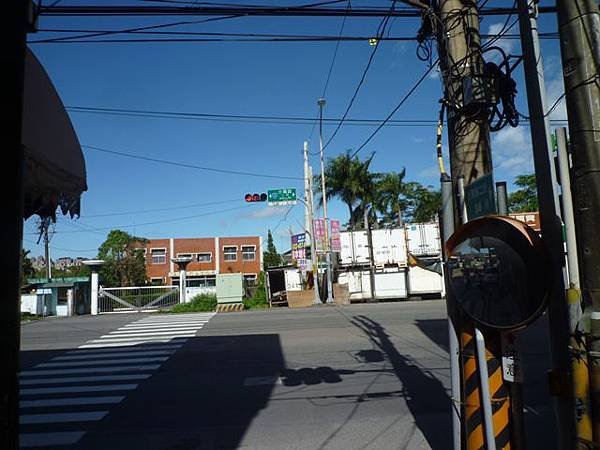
x=94 y=265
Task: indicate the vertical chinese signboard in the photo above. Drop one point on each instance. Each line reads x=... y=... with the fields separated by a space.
x=336 y=243
x=299 y=250
x=319 y=227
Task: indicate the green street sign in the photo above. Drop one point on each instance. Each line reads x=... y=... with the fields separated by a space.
x=279 y=197
x=480 y=198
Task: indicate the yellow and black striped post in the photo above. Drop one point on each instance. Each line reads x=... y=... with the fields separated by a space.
x=499 y=391
x=472 y=413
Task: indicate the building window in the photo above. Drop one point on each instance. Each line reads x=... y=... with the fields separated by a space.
x=230 y=253
x=204 y=257
x=248 y=252
x=159 y=255
x=157 y=281
x=184 y=255
x=250 y=279
x=202 y=281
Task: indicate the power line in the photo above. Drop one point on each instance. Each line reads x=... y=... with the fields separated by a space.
x=404 y=99
x=171 y=208
x=189 y=166
x=380 y=32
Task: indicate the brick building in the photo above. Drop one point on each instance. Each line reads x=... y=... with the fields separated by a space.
x=209 y=256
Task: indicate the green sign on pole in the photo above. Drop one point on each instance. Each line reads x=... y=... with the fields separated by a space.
x=279 y=197
x=480 y=198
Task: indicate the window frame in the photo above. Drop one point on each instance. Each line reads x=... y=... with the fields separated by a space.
x=204 y=253
x=244 y=253
x=225 y=254
x=164 y=255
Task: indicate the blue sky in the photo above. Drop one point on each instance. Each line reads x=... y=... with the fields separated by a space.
x=281 y=79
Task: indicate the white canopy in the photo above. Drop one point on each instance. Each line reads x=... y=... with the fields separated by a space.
x=54 y=173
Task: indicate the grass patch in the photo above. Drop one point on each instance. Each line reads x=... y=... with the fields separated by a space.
x=199 y=303
x=259 y=299
x=28 y=317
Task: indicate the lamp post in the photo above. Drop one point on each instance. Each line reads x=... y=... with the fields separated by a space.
x=182 y=263
x=321 y=103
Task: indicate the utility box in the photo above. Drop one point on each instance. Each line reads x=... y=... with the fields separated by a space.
x=230 y=288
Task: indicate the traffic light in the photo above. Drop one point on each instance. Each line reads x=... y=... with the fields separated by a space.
x=251 y=198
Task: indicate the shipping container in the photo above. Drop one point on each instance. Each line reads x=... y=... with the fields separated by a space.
x=422 y=282
x=389 y=248
x=355 y=248
x=389 y=284
x=423 y=239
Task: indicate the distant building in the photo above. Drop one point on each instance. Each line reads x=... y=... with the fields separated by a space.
x=65 y=262
x=210 y=256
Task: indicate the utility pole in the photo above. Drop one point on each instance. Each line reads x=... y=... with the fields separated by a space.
x=11 y=236
x=371 y=253
x=461 y=63
x=321 y=103
x=558 y=315
x=310 y=222
x=47 y=249
x=579 y=25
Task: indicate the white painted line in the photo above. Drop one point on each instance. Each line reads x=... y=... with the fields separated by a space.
x=114 y=355
x=63 y=380
x=166 y=325
x=262 y=381
x=103 y=362
x=130 y=331
x=92 y=416
x=136 y=338
x=144 y=334
x=129 y=344
x=75 y=401
x=78 y=389
x=141 y=348
x=137 y=368
x=50 y=439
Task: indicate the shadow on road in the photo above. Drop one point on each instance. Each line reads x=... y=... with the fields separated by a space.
x=424 y=394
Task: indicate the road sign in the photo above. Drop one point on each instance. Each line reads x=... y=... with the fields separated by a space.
x=281 y=197
x=480 y=198
x=299 y=250
x=498 y=272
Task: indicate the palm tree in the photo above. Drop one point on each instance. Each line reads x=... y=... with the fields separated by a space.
x=391 y=200
x=349 y=179
x=424 y=202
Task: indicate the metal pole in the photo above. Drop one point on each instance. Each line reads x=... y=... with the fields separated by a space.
x=502 y=198
x=13 y=61
x=549 y=218
x=94 y=292
x=462 y=205
x=307 y=217
x=490 y=438
x=321 y=103
x=182 y=284
x=313 y=242
x=579 y=28
x=579 y=358
x=453 y=347
x=47 y=251
x=371 y=254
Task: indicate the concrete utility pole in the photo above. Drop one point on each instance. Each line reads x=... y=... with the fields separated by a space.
x=461 y=62
x=310 y=227
x=579 y=28
x=321 y=103
x=11 y=236
x=371 y=254
x=47 y=251
x=567 y=407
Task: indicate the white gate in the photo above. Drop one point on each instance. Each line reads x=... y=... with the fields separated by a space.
x=136 y=299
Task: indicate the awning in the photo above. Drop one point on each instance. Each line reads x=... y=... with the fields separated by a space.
x=54 y=173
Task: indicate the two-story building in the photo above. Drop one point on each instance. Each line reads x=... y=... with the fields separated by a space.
x=210 y=256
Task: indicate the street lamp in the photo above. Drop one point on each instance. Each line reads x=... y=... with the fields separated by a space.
x=182 y=263
x=321 y=103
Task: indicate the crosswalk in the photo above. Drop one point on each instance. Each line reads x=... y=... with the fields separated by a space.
x=61 y=397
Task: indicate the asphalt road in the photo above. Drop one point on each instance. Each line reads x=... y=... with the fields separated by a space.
x=370 y=376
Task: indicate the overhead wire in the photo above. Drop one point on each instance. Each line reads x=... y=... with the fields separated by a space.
x=187 y=165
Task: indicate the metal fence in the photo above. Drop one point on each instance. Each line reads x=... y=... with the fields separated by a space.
x=136 y=299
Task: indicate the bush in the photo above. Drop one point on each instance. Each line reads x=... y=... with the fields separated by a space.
x=259 y=299
x=199 y=303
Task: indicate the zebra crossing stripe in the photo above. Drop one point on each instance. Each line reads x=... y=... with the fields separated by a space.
x=104 y=361
x=113 y=355
x=50 y=439
x=91 y=370
x=150 y=346
x=78 y=389
x=92 y=416
x=62 y=380
x=72 y=401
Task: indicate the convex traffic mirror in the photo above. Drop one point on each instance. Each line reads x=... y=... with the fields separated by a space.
x=499 y=272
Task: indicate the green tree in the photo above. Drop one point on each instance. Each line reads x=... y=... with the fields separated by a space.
x=390 y=198
x=27 y=270
x=270 y=256
x=350 y=180
x=125 y=263
x=524 y=199
x=424 y=202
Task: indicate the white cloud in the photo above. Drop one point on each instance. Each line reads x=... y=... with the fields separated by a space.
x=508 y=45
x=267 y=212
x=511 y=151
x=555 y=88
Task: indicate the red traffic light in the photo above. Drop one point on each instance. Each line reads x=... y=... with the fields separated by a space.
x=251 y=198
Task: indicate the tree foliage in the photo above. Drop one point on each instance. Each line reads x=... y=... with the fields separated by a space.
x=124 y=256
x=393 y=200
x=27 y=270
x=270 y=256
x=524 y=199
